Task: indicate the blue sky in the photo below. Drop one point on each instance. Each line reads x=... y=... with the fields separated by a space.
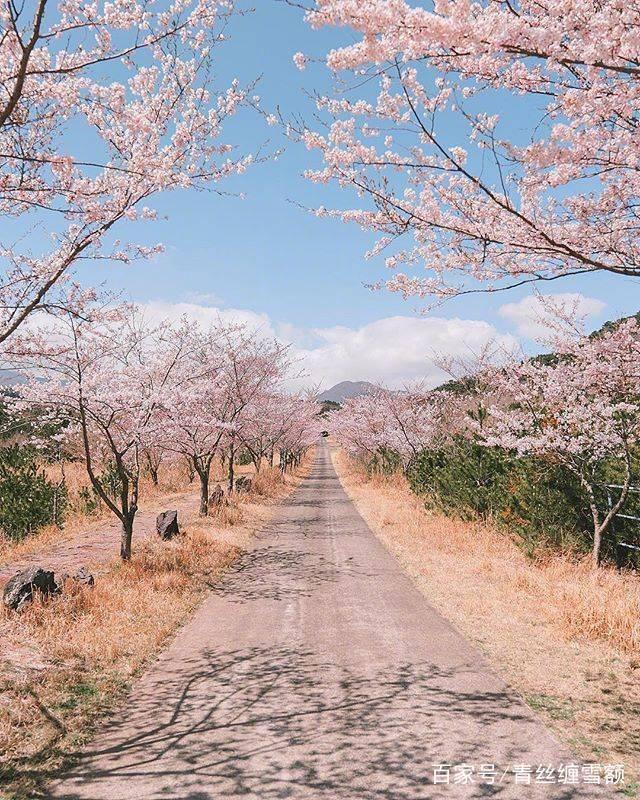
x=293 y=273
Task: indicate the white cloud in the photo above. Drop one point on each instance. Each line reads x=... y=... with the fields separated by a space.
x=528 y=314
x=393 y=351
x=155 y=311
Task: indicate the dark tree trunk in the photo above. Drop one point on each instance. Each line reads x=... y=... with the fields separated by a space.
x=204 y=492
x=231 y=468
x=126 y=537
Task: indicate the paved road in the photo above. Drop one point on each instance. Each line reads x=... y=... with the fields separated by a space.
x=316 y=670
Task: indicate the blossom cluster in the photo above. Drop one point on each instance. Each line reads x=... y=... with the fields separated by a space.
x=461 y=192
x=105 y=104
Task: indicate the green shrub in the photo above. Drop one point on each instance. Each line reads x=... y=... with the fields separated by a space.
x=243 y=458
x=28 y=500
x=546 y=507
x=542 y=503
x=385 y=462
x=464 y=478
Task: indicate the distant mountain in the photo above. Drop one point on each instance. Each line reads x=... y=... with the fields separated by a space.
x=344 y=390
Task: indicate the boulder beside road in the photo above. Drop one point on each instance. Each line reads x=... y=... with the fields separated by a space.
x=167 y=525
x=21 y=589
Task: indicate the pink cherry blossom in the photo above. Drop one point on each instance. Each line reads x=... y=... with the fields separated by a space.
x=463 y=200
x=132 y=78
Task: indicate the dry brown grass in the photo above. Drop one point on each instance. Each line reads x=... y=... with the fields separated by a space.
x=69 y=659
x=268 y=482
x=173 y=480
x=73 y=655
x=566 y=637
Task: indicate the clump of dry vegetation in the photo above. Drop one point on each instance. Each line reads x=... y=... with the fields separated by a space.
x=69 y=659
x=565 y=636
x=266 y=482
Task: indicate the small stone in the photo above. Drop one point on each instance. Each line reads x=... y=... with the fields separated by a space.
x=81 y=576
x=167 y=525
x=84 y=577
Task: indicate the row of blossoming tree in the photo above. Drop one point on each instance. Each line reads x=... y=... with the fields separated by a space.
x=578 y=409
x=129 y=394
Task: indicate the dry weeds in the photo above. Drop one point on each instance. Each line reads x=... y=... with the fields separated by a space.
x=565 y=637
x=70 y=659
x=173 y=481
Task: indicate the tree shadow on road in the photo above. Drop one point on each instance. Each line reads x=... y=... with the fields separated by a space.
x=279 y=723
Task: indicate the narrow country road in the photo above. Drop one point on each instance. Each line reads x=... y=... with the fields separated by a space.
x=317 y=670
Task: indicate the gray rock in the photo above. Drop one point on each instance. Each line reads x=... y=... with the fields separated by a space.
x=167 y=525
x=243 y=484
x=216 y=498
x=81 y=576
x=21 y=588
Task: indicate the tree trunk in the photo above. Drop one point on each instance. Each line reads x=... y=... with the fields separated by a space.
x=204 y=492
x=154 y=475
x=231 y=469
x=125 y=538
x=597 y=544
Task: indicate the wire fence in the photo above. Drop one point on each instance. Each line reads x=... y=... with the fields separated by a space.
x=625 y=527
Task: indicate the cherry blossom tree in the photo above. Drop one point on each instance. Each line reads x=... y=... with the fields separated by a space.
x=263 y=427
x=579 y=409
x=104 y=105
x=297 y=428
x=218 y=385
x=288 y=423
x=400 y=422
x=192 y=423
x=258 y=368
x=103 y=375
x=153 y=457
x=491 y=144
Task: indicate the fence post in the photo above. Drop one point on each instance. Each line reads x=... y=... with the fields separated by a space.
x=618 y=549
